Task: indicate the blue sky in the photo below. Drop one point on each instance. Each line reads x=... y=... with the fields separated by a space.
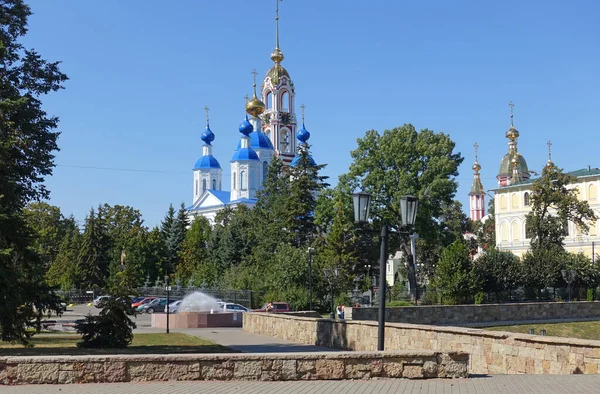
x=142 y=70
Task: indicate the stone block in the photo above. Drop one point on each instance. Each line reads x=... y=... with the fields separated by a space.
x=393 y=369
x=430 y=369
x=214 y=370
x=591 y=368
x=65 y=377
x=288 y=370
x=330 y=369
x=376 y=368
x=412 y=371
x=247 y=370
x=37 y=373
x=160 y=371
x=115 y=371
x=306 y=366
x=88 y=372
x=358 y=369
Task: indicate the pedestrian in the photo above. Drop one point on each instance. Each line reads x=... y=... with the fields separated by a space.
x=340 y=312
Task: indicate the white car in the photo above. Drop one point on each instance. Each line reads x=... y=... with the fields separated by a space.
x=231 y=307
x=173 y=307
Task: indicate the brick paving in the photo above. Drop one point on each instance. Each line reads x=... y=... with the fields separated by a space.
x=487 y=384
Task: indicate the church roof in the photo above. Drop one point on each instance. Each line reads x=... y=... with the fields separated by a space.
x=584 y=172
x=506 y=167
x=276 y=72
x=244 y=154
x=477 y=188
x=207 y=162
x=258 y=140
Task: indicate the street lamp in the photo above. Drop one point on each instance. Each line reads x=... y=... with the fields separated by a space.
x=168 y=289
x=310 y=289
x=569 y=276
x=332 y=277
x=408 y=213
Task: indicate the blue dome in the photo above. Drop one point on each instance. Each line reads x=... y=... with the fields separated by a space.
x=245 y=154
x=246 y=127
x=303 y=135
x=207 y=162
x=208 y=136
x=296 y=161
x=258 y=140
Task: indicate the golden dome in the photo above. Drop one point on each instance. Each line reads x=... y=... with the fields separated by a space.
x=277 y=56
x=476 y=167
x=512 y=133
x=255 y=107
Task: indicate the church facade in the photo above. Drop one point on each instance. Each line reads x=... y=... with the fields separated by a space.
x=267 y=131
x=512 y=201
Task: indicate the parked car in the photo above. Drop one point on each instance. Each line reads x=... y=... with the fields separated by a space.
x=277 y=307
x=143 y=301
x=231 y=307
x=136 y=299
x=157 y=304
x=173 y=307
x=99 y=301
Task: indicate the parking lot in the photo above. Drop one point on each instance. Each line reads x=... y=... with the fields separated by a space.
x=77 y=312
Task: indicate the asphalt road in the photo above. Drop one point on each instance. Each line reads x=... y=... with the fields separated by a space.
x=80 y=311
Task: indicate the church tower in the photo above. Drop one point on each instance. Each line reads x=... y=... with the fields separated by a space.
x=477 y=194
x=207 y=171
x=279 y=119
x=513 y=168
x=246 y=168
x=303 y=136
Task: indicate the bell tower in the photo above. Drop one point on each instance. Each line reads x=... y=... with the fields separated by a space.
x=477 y=194
x=279 y=119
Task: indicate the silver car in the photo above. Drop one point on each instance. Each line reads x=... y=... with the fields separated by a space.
x=173 y=307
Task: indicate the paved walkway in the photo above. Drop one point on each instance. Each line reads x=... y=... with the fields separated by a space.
x=237 y=339
x=499 y=384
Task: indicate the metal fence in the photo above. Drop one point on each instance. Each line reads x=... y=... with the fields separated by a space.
x=242 y=297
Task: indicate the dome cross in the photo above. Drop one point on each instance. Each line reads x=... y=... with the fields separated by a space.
x=206 y=110
x=303 y=107
x=511 y=105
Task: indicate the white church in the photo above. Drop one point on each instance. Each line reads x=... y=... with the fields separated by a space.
x=267 y=131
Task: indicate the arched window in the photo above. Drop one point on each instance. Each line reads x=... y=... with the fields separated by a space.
x=528 y=231
x=243 y=185
x=233 y=181
x=502 y=202
x=514 y=200
x=269 y=101
x=526 y=199
x=515 y=231
x=196 y=187
x=265 y=170
x=203 y=185
x=285 y=98
x=592 y=194
x=214 y=184
x=504 y=232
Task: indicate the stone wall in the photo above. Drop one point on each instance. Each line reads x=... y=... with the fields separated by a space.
x=281 y=366
x=490 y=352
x=486 y=314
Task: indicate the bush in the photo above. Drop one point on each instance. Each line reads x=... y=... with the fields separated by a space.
x=112 y=328
x=398 y=303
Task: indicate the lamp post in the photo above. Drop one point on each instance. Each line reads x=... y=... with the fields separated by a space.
x=310 y=287
x=332 y=276
x=568 y=276
x=168 y=289
x=408 y=212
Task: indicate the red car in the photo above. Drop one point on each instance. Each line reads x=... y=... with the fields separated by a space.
x=276 y=307
x=142 y=302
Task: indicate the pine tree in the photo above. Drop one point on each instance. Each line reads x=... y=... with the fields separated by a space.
x=27 y=145
x=93 y=260
x=300 y=204
x=64 y=270
x=341 y=241
x=174 y=238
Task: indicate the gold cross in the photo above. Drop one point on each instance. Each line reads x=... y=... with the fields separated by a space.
x=303 y=107
x=549 y=150
x=206 y=109
x=511 y=105
x=254 y=73
x=476 y=145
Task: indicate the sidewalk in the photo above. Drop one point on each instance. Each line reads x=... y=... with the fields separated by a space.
x=236 y=338
x=499 y=384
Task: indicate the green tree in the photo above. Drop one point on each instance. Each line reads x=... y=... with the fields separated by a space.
x=541 y=267
x=553 y=204
x=497 y=271
x=194 y=263
x=300 y=204
x=50 y=228
x=64 y=269
x=93 y=254
x=175 y=235
x=27 y=145
x=453 y=280
x=454 y=222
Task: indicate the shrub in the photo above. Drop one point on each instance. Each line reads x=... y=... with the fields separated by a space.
x=112 y=328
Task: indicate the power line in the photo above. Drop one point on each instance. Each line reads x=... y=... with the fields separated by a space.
x=121 y=169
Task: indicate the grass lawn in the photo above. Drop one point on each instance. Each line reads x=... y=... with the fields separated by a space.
x=582 y=329
x=158 y=343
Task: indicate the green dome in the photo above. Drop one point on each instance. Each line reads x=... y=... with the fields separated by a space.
x=506 y=167
x=276 y=72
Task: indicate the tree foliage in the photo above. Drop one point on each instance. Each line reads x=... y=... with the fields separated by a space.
x=27 y=145
x=553 y=205
x=453 y=280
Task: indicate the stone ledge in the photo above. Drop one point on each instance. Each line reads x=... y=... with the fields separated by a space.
x=265 y=366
